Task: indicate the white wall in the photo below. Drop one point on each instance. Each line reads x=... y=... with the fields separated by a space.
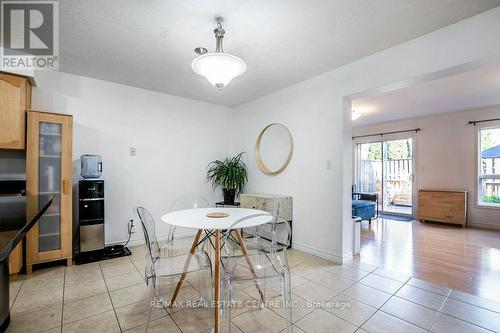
x=319 y=120
x=175 y=139
x=446 y=155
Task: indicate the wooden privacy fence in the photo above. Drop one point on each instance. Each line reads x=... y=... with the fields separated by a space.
x=397 y=175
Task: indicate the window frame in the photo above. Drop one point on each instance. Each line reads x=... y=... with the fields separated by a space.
x=478 y=175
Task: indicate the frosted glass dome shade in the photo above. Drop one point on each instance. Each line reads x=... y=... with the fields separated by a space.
x=218 y=68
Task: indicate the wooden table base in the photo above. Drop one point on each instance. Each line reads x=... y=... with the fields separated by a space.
x=217 y=263
x=217 y=282
x=186 y=265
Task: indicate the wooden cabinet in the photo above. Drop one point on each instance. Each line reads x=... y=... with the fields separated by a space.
x=49 y=173
x=16 y=259
x=447 y=206
x=15 y=99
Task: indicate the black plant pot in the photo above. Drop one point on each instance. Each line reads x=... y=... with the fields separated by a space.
x=229 y=195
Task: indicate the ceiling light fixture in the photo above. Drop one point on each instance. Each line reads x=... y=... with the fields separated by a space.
x=218 y=68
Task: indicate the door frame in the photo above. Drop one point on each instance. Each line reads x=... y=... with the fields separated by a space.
x=390 y=137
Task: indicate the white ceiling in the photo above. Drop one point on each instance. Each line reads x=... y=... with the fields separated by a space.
x=150 y=44
x=469 y=90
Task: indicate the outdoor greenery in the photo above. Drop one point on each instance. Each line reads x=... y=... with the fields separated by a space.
x=396 y=150
x=486 y=140
x=230 y=173
x=491 y=199
x=375 y=152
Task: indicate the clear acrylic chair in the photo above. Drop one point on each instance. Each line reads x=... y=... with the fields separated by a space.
x=269 y=237
x=174 y=268
x=265 y=263
x=182 y=245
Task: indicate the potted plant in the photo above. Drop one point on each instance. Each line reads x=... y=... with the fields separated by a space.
x=230 y=174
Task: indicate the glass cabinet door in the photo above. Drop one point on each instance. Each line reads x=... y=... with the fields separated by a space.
x=49 y=174
x=49 y=184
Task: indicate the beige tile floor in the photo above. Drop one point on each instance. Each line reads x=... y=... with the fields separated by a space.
x=357 y=297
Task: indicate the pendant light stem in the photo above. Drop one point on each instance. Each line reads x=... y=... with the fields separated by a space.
x=219 y=35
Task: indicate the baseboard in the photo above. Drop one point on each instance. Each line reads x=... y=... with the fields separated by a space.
x=160 y=237
x=480 y=225
x=322 y=253
x=296 y=245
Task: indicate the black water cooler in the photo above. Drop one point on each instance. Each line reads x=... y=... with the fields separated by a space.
x=91 y=215
x=91 y=238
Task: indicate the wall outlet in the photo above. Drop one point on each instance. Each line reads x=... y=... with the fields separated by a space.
x=131 y=226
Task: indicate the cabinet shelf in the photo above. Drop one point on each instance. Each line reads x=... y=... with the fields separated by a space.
x=50 y=134
x=49 y=235
x=51 y=156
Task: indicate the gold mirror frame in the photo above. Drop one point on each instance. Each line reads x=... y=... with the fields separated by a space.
x=258 y=157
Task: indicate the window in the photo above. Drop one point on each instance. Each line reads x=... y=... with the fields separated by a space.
x=489 y=167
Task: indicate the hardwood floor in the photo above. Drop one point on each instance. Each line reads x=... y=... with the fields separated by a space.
x=464 y=259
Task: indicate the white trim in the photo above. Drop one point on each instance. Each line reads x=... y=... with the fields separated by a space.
x=160 y=237
x=492 y=206
x=391 y=137
x=322 y=254
x=480 y=225
x=477 y=166
x=296 y=245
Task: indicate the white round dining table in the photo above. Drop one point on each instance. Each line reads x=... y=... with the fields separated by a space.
x=197 y=218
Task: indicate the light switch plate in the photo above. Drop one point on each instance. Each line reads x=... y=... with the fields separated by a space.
x=328 y=164
x=132 y=151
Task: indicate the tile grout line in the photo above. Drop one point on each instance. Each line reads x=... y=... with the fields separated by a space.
x=439 y=311
x=379 y=308
x=394 y=294
x=363 y=301
x=319 y=307
x=164 y=308
x=110 y=299
x=478 y=306
x=15 y=297
x=64 y=290
x=461 y=319
x=358 y=327
x=448 y=296
x=293 y=323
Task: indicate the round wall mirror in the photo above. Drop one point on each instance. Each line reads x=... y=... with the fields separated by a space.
x=274 y=148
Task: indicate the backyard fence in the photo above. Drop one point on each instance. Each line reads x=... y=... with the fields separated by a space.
x=397 y=175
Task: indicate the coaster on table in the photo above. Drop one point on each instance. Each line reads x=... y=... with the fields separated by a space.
x=217 y=215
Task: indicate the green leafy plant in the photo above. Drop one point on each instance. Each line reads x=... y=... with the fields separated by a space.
x=491 y=198
x=229 y=174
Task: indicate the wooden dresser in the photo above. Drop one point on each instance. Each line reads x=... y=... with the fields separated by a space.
x=447 y=206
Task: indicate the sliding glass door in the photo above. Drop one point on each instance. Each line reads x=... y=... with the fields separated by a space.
x=398 y=176
x=386 y=167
